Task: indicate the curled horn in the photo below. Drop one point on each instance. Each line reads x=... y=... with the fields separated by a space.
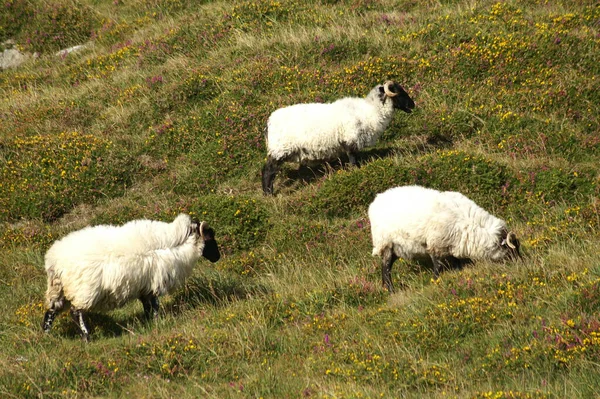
x=201 y=229
x=510 y=240
x=386 y=88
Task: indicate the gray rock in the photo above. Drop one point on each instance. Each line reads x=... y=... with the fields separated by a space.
x=63 y=53
x=12 y=58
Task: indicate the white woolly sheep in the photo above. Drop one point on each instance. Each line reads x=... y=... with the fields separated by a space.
x=412 y=222
x=105 y=266
x=316 y=132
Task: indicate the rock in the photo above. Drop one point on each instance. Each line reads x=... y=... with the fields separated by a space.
x=63 y=53
x=12 y=58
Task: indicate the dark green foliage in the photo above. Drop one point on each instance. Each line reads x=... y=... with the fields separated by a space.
x=554 y=185
x=13 y=15
x=240 y=222
x=48 y=175
x=50 y=26
x=351 y=191
x=261 y=14
x=587 y=298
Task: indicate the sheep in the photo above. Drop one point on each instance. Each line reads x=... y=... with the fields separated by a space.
x=316 y=132
x=412 y=221
x=105 y=266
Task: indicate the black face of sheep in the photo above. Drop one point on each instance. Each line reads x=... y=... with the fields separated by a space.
x=211 y=249
x=511 y=245
x=400 y=98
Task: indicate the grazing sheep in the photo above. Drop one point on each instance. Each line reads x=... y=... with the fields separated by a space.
x=412 y=221
x=103 y=267
x=317 y=132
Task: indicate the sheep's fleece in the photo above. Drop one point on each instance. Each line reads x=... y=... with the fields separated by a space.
x=419 y=221
x=105 y=266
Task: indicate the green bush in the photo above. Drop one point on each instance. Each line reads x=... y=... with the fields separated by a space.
x=47 y=175
x=56 y=25
x=556 y=185
x=353 y=190
x=347 y=191
x=14 y=14
x=262 y=14
x=240 y=222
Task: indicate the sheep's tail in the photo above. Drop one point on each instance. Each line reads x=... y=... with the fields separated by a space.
x=55 y=296
x=376 y=251
x=266 y=134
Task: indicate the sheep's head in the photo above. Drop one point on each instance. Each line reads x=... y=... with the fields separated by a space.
x=510 y=245
x=210 y=250
x=395 y=92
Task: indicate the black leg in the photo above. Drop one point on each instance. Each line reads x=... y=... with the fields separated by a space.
x=269 y=172
x=352 y=152
x=150 y=302
x=77 y=315
x=353 y=158
x=388 y=259
x=436 y=266
x=56 y=307
x=48 y=320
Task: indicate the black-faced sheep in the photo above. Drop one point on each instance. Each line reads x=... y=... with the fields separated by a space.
x=103 y=267
x=316 y=132
x=412 y=221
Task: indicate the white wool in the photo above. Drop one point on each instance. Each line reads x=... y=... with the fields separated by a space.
x=420 y=221
x=315 y=131
x=105 y=266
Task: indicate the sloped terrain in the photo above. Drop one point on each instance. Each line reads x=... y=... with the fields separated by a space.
x=163 y=111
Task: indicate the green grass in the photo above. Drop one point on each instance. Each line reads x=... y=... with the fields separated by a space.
x=164 y=112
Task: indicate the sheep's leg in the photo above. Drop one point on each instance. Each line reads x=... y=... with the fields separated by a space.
x=352 y=159
x=55 y=300
x=49 y=319
x=151 y=306
x=352 y=153
x=55 y=308
x=388 y=259
x=77 y=315
x=437 y=265
x=458 y=264
x=269 y=172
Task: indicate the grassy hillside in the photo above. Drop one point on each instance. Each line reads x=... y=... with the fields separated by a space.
x=163 y=112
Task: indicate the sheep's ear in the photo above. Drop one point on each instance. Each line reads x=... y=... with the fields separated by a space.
x=195 y=226
x=503 y=235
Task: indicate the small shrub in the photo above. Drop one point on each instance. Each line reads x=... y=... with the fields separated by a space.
x=14 y=14
x=47 y=175
x=587 y=298
x=240 y=222
x=349 y=191
x=56 y=25
x=482 y=179
x=197 y=87
x=554 y=185
x=103 y=65
x=263 y=14
x=32 y=235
